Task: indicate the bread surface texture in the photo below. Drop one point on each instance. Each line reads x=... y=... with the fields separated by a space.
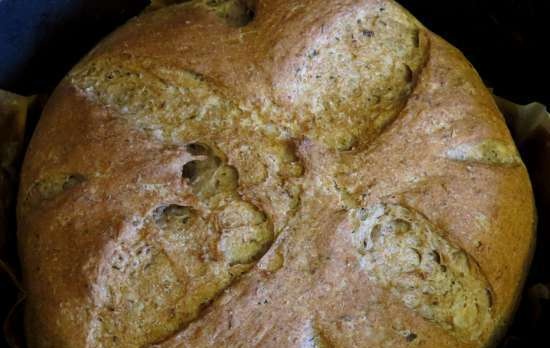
x=314 y=173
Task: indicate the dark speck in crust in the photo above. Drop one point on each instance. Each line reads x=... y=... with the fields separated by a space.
x=367 y=33
x=411 y=337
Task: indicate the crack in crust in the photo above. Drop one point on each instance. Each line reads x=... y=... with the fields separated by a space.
x=48 y=188
x=237 y=13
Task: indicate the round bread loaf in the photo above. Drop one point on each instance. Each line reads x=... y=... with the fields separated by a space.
x=313 y=173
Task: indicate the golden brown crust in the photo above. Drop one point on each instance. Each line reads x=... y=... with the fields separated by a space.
x=331 y=174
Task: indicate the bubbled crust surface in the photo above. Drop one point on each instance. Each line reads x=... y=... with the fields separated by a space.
x=331 y=174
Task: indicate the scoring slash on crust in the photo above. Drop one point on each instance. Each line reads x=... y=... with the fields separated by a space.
x=401 y=250
x=160 y=100
x=181 y=258
x=490 y=151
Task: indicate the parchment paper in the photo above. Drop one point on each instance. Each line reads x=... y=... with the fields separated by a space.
x=530 y=126
x=13 y=117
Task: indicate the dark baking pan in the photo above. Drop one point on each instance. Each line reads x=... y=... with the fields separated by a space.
x=41 y=39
